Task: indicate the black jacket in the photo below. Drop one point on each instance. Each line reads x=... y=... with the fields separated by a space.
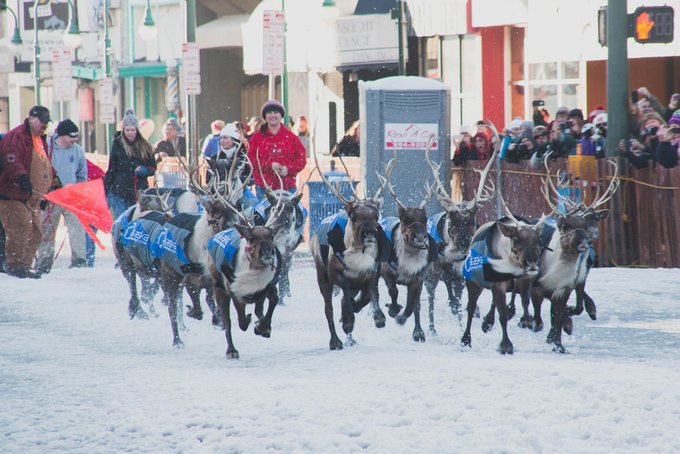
x=120 y=179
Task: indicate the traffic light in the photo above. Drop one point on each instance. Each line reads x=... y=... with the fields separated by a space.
x=652 y=24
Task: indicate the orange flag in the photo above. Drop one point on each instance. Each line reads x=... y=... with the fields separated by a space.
x=87 y=201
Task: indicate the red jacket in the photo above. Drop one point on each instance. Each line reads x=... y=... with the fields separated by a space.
x=284 y=148
x=16 y=150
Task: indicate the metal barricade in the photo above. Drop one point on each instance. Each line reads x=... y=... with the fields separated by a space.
x=322 y=202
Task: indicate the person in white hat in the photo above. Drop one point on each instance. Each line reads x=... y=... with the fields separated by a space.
x=230 y=148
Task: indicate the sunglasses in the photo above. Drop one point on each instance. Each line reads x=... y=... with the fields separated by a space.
x=74 y=135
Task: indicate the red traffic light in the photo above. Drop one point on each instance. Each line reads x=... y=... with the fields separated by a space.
x=652 y=24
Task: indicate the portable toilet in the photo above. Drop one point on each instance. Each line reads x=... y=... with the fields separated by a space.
x=398 y=116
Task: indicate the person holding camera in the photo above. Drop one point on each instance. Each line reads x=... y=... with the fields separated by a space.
x=668 y=141
x=639 y=151
x=540 y=116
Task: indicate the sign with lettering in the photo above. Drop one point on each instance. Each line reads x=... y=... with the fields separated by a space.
x=410 y=136
x=191 y=68
x=107 y=110
x=61 y=73
x=273 y=27
x=367 y=39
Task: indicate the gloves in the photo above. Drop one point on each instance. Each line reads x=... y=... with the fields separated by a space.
x=25 y=184
x=56 y=184
x=141 y=171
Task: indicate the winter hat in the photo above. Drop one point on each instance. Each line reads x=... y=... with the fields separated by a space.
x=562 y=111
x=576 y=113
x=273 y=105
x=42 y=113
x=129 y=119
x=465 y=129
x=66 y=128
x=515 y=123
x=652 y=116
x=600 y=118
x=540 y=130
x=174 y=123
x=216 y=126
x=529 y=125
x=675 y=119
x=598 y=110
x=230 y=130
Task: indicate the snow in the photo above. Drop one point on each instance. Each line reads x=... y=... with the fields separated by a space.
x=77 y=376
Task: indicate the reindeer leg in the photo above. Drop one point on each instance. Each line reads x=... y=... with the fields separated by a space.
x=526 y=320
x=172 y=289
x=537 y=301
x=263 y=327
x=223 y=301
x=149 y=289
x=394 y=308
x=430 y=285
x=348 y=313
x=473 y=291
x=414 y=291
x=326 y=289
x=243 y=318
x=378 y=315
x=259 y=309
x=458 y=285
x=489 y=319
x=210 y=301
x=505 y=346
x=134 y=308
x=558 y=307
x=194 y=292
x=284 y=281
x=591 y=309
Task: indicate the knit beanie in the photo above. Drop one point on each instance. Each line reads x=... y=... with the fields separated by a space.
x=273 y=105
x=175 y=124
x=675 y=119
x=66 y=128
x=230 y=130
x=129 y=119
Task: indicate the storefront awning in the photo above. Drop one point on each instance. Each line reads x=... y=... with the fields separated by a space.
x=151 y=69
x=493 y=13
x=222 y=32
x=438 y=17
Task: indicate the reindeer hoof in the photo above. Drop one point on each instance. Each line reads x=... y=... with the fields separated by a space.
x=536 y=326
x=216 y=322
x=350 y=342
x=433 y=332
x=466 y=340
x=245 y=323
x=525 y=322
x=487 y=324
x=401 y=319
x=393 y=309
x=551 y=336
x=568 y=325
x=335 y=344
x=177 y=343
x=232 y=353
x=419 y=336
x=137 y=312
x=591 y=309
x=506 y=348
x=379 y=320
x=558 y=348
x=263 y=330
x=196 y=313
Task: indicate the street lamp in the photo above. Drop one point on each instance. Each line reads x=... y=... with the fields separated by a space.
x=148 y=30
x=72 y=37
x=16 y=45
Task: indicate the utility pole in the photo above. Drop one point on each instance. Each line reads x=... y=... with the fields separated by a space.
x=284 y=78
x=618 y=127
x=36 y=53
x=192 y=123
x=400 y=22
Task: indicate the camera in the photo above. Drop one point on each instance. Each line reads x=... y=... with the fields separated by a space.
x=650 y=131
x=568 y=124
x=675 y=130
x=538 y=103
x=634 y=96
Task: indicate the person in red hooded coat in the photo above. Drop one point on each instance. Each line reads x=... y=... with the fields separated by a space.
x=275 y=150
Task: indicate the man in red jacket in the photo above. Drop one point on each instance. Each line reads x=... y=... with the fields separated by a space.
x=27 y=174
x=275 y=150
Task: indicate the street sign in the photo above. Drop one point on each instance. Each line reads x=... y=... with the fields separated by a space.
x=107 y=111
x=652 y=24
x=61 y=73
x=191 y=68
x=273 y=27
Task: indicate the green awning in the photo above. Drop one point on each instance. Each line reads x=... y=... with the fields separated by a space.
x=87 y=72
x=143 y=70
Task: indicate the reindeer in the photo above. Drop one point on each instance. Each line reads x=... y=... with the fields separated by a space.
x=411 y=252
x=347 y=249
x=452 y=230
x=501 y=251
x=157 y=208
x=245 y=272
x=182 y=246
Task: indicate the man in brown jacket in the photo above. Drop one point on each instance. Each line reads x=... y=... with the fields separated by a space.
x=26 y=175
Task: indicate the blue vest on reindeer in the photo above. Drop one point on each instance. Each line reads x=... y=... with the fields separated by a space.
x=262 y=210
x=174 y=239
x=222 y=248
x=433 y=226
x=121 y=224
x=140 y=237
x=389 y=225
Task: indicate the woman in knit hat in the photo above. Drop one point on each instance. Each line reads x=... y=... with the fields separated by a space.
x=275 y=152
x=230 y=147
x=172 y=144
x=131 y=162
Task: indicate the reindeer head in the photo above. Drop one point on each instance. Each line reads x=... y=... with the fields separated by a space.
x=284 y=207
x=153 y=202
x=573 y=232
x=260 y=245
x=525 y=243
x=364 y=219
x=220 y=216
x=413 y=222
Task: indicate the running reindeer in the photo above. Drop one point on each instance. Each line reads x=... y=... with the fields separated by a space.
x=564 y=262
x=245 y=266
x=132 y=233
x=182 y=245
x=501 y=251
x=347 y=249
x=411 y=252
x=452 y=230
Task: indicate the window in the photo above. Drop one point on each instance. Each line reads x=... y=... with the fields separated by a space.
x=558 y=84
